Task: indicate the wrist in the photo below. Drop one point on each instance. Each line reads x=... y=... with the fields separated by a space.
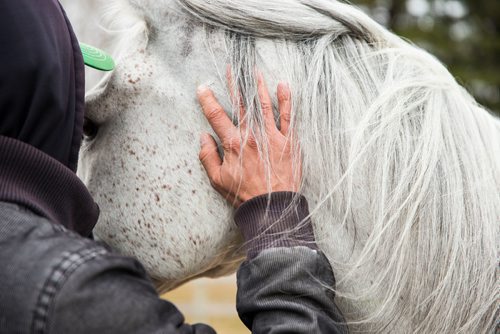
x=278 y=219
x=288 y=191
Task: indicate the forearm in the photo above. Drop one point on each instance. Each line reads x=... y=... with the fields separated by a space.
x=288 y=290
x=286 y=285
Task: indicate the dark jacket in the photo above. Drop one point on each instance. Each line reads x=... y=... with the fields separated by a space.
x=53 y=277
x=55 y=281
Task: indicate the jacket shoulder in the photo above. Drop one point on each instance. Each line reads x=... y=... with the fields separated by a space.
x=59 y=282
x=37 y=256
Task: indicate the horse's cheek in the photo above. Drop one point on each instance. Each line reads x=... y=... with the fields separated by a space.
x=156 y=201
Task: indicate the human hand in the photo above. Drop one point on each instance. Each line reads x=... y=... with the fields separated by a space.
x=239 y=180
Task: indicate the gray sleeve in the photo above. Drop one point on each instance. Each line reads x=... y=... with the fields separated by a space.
x=288 y=290
x=285 y=286
x=102 y=292
x=279 y=219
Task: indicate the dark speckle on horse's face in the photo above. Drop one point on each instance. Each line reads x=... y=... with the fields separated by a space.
x=143 y=170
x=187 y=46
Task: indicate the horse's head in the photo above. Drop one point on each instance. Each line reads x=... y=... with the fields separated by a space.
x=140 y=155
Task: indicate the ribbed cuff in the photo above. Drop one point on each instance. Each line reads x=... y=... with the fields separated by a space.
x=35 y=180
x=275 y=220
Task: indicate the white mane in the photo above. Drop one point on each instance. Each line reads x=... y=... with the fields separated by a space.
x=395 y=152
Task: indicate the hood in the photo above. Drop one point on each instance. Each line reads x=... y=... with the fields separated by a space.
x=42 y=79
x=42 y=88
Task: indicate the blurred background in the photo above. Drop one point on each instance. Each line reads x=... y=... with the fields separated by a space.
x=463 y=34
x=210 y=301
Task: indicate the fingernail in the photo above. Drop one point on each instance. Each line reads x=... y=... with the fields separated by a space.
x=202 y=88
x=260 y=76
x=284 y=90
x=283 y=84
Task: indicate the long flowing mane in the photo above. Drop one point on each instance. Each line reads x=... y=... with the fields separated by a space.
x=395 y=152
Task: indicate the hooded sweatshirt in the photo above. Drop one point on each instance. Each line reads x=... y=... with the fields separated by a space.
x=42 y=87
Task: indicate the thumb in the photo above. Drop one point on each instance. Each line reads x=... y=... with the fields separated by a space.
x=210 y=159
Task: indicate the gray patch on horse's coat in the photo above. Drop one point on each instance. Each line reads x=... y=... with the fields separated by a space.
x=187 y=45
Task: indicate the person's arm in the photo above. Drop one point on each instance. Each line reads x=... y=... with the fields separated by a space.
x=110 y=293
x=285 y=285
x=54 y=281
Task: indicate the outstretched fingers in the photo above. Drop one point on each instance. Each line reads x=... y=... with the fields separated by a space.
x=239 y=179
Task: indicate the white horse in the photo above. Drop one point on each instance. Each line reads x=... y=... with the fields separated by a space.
x=401 y=165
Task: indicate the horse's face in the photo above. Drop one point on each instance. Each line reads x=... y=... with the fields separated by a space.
x=142 y=166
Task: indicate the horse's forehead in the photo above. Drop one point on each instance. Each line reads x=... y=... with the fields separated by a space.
x=187 y=46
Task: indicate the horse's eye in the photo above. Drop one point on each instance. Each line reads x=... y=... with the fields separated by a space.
x=90 y=129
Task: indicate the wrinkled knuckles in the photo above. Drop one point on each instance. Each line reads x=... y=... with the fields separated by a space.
x=232 y=144
x=252 y=142
x=206 y=153
x=283 y=97
x=215 y=113
x=202 y=156
x=286 y=117
x=267 y=107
